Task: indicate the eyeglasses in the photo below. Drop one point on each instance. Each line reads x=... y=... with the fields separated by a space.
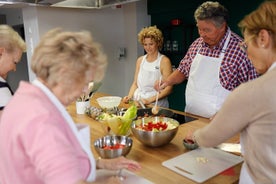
x=243 y=45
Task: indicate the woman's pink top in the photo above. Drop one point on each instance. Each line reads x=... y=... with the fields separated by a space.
x=36 y=144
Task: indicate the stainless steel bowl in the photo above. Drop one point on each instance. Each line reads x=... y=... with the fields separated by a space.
x=106 y=146
x=151 y=138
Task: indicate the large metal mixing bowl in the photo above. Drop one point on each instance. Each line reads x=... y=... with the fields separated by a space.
x=152 y=138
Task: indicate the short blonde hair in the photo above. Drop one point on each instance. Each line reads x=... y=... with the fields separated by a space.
x=151 y=32
x=264 y=17
x=66 y=57
x=10 y=39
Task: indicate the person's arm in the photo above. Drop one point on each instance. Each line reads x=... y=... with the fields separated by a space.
x=175 y=78
x=134 y=85
x=166 y=70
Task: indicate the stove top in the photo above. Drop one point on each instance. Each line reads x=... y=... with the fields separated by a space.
x=182 y=118
x=166 y=112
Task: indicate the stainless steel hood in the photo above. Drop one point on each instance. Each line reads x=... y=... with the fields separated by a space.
x=88 y=4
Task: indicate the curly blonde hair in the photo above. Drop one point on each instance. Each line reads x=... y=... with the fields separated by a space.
x=65 y=57
x=151 y=32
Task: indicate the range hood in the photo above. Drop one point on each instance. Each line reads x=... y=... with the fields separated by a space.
x=88 y=4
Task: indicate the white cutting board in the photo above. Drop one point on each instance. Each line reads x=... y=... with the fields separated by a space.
x=199 y=171
x=129 y=177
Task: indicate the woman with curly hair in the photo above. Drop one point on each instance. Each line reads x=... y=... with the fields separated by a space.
x=149 y=68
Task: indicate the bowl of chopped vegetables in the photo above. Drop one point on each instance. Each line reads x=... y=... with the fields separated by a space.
x=112 y=146
x=118 y=124
x=155 y=131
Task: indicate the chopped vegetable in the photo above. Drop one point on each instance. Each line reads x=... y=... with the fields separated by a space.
x=116 y=146
x=119 y=125
x=156 y=126
x=129 y=115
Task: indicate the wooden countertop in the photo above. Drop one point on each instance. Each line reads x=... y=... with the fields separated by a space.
x=151 y=158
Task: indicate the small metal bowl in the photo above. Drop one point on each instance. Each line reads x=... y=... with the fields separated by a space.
x=189 y=144
x=112 y=146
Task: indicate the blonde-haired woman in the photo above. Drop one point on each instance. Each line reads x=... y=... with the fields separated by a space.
x=11 y=48
x=150 y=68
x=251 y=108
x=39 y=142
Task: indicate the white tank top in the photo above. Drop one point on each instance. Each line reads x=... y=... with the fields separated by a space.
x=149 y=73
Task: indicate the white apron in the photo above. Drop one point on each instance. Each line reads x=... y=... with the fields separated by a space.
x=204 y=93
x=81 y=131
x=149 y=72
x=245 y=177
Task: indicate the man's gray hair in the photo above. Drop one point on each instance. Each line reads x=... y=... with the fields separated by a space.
x=212 y=11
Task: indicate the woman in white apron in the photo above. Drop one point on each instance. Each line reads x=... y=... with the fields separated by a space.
x=150 y=68
x=149 y=73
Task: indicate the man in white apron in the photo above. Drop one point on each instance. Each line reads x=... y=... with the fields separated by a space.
x=204 y=93
x=214 y=64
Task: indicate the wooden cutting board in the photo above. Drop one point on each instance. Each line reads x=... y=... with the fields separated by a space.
x=203 y=163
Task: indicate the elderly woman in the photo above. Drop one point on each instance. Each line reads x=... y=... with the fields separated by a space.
x=39 y=142
x=251 y=108
x=11 y=48
x=150 y=68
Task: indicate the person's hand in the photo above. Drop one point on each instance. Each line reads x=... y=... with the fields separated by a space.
x=126 y=99
x=163 y=85
x=120 y=163
x=189 y=136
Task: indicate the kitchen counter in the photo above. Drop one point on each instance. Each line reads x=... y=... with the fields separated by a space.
x=151 y=158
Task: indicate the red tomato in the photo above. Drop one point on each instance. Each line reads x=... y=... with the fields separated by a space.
x=159 y=126
x=116 y=146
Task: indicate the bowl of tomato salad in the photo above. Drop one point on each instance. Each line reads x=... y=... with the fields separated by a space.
x=155 y=131
x=112 y=146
